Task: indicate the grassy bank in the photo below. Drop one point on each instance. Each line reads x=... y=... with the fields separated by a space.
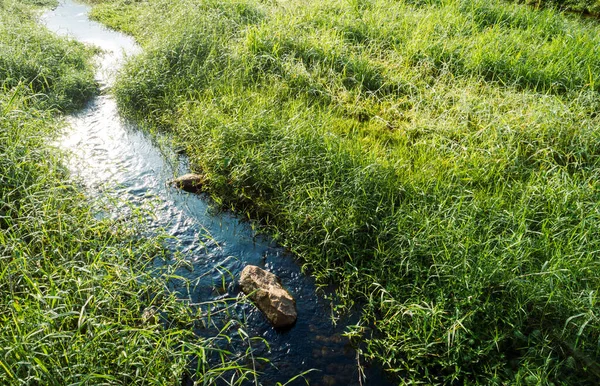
x=437 y=160
x=585 y=7
x=79 y=300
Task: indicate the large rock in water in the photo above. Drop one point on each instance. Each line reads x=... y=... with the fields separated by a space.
x=266 y=291
x=189 y=182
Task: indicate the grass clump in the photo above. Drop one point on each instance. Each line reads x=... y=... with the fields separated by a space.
x=53 y=70
x=437 y=160
x=80 y=301
x=586 y=7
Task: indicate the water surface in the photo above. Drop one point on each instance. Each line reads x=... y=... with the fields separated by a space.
x=113 y=156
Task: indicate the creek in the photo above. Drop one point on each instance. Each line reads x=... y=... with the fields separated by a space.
x=113 y=157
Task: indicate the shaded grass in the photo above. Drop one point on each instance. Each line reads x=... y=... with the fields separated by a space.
x=80 y=300
x=586 y=7
x=438 y=161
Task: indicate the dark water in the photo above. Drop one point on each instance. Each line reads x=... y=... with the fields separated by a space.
x=115 y=158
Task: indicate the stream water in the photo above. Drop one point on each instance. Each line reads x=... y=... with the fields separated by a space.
x=113 y=156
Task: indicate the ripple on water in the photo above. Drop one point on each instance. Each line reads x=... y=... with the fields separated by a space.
x=111 y=155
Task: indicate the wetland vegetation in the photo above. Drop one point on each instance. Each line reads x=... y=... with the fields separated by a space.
x=80 y=299
x=437 y=160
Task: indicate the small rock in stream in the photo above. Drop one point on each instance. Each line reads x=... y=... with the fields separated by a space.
x=266 y=291
x=189 y=182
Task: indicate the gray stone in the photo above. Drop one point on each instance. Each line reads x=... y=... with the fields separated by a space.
x=266 y=291
x=189 y=182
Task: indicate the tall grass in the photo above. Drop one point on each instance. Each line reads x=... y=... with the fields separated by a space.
x=56 y=73
x=437 y=160
x=587 y=7
x=80 y=299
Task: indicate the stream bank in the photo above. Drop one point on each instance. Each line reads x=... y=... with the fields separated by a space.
x=113 y=156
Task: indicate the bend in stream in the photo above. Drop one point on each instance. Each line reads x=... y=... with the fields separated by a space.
x=110 y=153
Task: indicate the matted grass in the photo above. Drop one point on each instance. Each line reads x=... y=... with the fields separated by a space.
x=437 y=160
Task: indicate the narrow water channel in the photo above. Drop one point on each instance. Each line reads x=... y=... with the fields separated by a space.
x=112 y=156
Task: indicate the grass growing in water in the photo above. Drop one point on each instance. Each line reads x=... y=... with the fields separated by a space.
x=438 y=160
x=79 y=300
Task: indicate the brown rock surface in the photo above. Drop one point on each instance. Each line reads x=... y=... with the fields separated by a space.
x=266 y=291
x=189 y=182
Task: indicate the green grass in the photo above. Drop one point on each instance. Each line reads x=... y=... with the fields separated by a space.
x=589 y=7
x=54 y=73
x=436 y=160
x=81 y=301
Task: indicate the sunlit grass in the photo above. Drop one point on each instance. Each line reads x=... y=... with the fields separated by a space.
x=437 y=160
x=81 y=300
